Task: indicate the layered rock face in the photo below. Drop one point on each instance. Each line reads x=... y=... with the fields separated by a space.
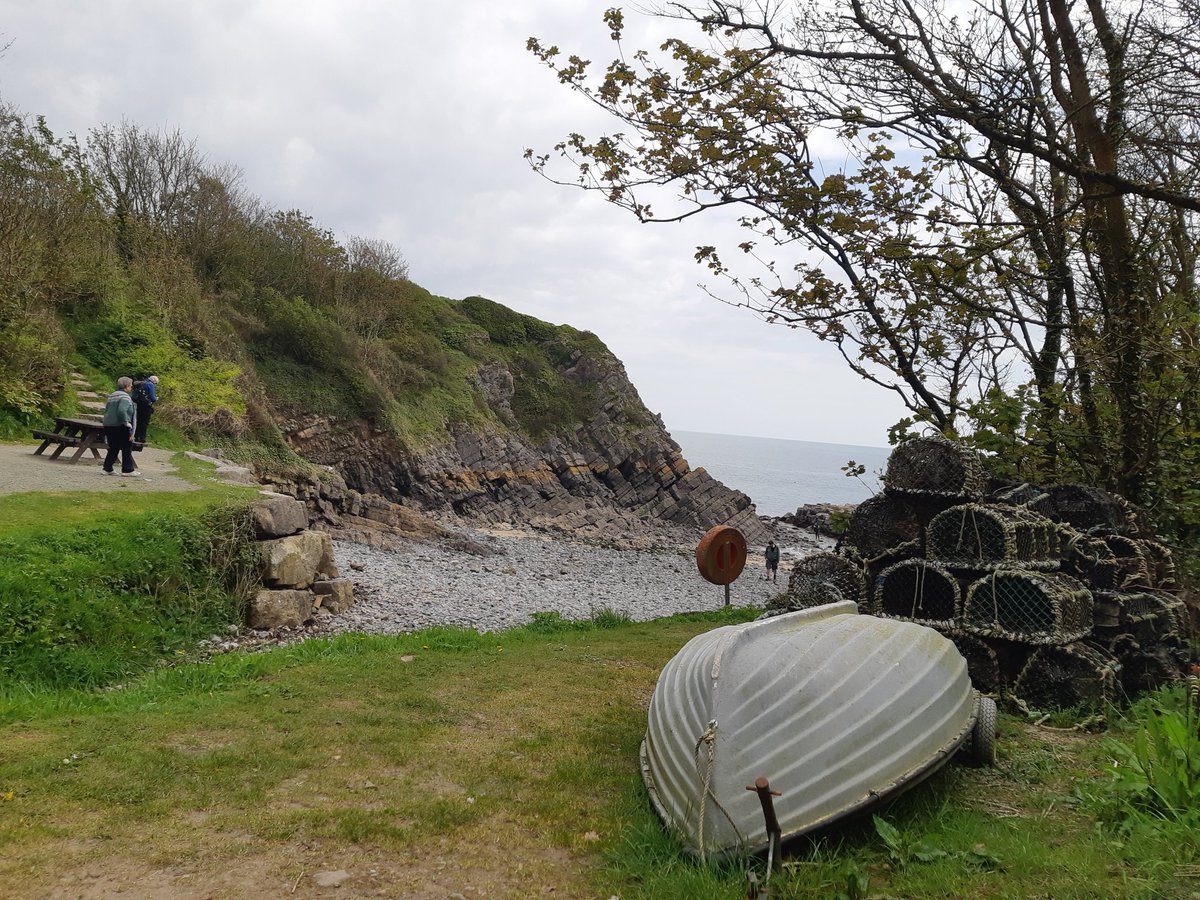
x=621 y=463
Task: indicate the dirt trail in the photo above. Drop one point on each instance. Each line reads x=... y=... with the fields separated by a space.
x=22 y=472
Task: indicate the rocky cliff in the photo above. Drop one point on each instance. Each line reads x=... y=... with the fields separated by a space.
x=599 y=478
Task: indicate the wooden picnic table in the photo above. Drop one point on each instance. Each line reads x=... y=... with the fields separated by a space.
x=82 y=434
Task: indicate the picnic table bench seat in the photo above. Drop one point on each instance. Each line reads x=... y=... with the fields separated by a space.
x=50 y=436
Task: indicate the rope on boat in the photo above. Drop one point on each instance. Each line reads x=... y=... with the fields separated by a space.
x=709 y=737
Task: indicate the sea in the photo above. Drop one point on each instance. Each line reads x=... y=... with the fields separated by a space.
x=781 y=475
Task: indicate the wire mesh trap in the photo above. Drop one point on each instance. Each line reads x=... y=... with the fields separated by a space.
x=1147 y=667
x=1089 y=559
x=1132 y=568
x=935 y=467
x=1091 y=509
x=983 y=662
x=1034 y=607
x=844 y=574
x=1148 y=615
x=976 y=536
x=1070 y=676
x=917 y=590
x=879 y=524
x=1161 y=563
x=804 y=592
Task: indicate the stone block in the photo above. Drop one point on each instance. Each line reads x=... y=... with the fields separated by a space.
x=279 y=609
x=294 y=561
x=279 y=517
x=326 y=565
x=335 y=595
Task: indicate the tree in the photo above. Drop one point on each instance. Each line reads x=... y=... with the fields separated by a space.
x=148 y=178
x=989 y=210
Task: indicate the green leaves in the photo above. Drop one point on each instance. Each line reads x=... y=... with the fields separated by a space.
x=903 y=849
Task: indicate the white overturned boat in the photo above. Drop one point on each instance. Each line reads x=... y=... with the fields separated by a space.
x=836 y=710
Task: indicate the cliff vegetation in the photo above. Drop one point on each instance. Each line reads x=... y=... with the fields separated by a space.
x=131 y=253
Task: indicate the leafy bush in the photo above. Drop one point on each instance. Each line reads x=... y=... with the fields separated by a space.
x=124 y=343
x=1155 y=782
x=503 y=324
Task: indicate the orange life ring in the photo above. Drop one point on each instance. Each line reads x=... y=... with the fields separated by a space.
x=721 y=554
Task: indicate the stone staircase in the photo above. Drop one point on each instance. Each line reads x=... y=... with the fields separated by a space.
x=91 y=402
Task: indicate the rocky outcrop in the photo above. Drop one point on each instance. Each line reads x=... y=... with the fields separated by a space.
x=622 y=459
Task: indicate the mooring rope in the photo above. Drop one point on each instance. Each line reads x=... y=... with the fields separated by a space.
x=709 y=737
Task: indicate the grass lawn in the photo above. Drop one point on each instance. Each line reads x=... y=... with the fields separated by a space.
x=449 y=763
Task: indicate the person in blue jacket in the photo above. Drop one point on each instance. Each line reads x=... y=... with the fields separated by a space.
x=772 y=555
x=119 y=414
x=145 y=395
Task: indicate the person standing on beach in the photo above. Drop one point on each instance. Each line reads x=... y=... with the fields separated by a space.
x=145 y=395
x=119 y=416
x=772 y=555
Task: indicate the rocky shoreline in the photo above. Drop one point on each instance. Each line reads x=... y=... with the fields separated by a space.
x=491 y=579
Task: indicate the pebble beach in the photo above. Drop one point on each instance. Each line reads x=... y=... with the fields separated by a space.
x=420 y=585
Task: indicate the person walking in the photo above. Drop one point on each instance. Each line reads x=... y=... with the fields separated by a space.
x=119 y=417
x=145 y=395
x=772 y=555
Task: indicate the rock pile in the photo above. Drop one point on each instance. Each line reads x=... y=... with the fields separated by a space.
x=299 y=573
x=1056 y=597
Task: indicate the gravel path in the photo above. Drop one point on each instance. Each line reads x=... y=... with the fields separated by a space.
x=21 y=472
x=424 y=585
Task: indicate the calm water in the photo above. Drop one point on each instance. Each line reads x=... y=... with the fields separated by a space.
x=781 y=475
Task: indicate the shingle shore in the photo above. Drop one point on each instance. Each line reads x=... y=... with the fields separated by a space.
x=421 y=584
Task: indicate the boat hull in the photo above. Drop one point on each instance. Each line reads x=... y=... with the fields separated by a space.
x=838 y=711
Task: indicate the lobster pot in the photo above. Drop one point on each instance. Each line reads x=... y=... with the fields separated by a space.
x=879 y=524
x=935 y=467
x=842 y=573
x=1161 y=564
x=973 y=536
x=1132 y=570
x=1016 y=495
x=1034 y=607
x=1149 y=667
x=1090 y=509
x=1090 y=560
x=805 y=592
x=983 y=662
x=1147 y=615
x=917 y=590
x=1068 y=676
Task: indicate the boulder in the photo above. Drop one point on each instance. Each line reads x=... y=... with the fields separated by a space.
x=278 y=517
x=326 y=565
x=236 y=474
x=296 y=560
x=279 y=609
x=335 y=594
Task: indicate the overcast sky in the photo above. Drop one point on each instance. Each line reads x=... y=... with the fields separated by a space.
x=407 y=121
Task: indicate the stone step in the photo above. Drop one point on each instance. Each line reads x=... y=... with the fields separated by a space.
x=87 y=395
x=92 y=404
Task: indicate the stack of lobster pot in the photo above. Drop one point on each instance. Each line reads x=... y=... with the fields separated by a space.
x=1051 y=595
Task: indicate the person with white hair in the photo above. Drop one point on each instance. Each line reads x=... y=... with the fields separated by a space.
x=145 y=395
x=119 y=415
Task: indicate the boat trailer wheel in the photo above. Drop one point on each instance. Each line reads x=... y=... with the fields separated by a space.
x=983 y=734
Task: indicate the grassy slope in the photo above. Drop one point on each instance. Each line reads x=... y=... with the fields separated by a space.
x=502 y=764
x=97 y=586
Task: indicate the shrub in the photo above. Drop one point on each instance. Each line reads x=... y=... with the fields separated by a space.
x=123 y=343
x=503 y=324
x=1155 y=781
